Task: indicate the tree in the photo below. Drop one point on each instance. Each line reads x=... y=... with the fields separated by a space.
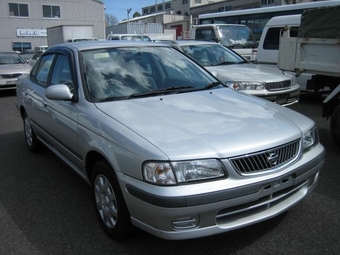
x=136 y=14
x=110 y=20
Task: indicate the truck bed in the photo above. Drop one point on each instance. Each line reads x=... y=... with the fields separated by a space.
x=316 y=49
x=310 y=55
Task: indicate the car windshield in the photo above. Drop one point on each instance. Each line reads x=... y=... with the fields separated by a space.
x=212 y=54
x=125 y=73
x=11 y=58
x=236 y=36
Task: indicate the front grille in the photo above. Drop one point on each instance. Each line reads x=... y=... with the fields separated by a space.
x=12 y=75
x=266 y=160
x=278 y=85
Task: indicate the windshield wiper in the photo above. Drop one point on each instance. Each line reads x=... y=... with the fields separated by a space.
x=225 y=63
x=177 y=89
x=243 y=62
x=212 y=85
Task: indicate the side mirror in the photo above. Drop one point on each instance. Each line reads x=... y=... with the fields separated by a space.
x=59 y=92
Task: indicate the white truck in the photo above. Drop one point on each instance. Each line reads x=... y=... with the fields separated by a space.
x=234 y=36
x=69 y=33
x=316 y=50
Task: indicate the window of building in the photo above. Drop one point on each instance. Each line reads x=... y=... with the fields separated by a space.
x=185 y=1
x=267 y=2
x=51 y=11
x=220 y=9
x=145 y=11
x=21 y=46
x=153 y=9
x=198 y=1
x=18 y=10
x=160 y=7
x=167 y=5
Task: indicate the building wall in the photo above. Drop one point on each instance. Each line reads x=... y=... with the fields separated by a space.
x=223 y=6
x=32 y=29
x=179 y=7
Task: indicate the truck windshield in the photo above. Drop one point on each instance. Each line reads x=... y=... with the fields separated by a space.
x=236 y=36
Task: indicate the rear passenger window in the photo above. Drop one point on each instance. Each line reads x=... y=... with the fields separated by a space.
x=40 y=74
x=272 y=39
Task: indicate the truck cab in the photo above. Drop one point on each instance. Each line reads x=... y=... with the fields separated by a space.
x=268 y=48
x=236 y=37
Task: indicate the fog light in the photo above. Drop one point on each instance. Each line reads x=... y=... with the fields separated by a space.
x=316 y=177
x=186 y=223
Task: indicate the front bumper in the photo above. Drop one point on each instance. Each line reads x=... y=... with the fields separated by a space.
x=283 y=97
x=163 y=213
x=8 y=83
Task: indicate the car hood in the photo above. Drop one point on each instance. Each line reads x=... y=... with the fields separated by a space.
x=248 y=72
x=15 y=68
x=208 y=124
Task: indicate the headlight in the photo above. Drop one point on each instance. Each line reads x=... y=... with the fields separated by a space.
x=310 y=139
x=171 y=173
x=240 y=85
x=292 y=81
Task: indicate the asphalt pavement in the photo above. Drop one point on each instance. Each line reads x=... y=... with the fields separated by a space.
x=46 y=209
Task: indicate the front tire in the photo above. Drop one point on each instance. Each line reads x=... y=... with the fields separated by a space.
x=31 y=139
x=335 y=125
x=109 y=202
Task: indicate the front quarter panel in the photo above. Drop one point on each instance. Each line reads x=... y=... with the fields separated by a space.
x=124 y=149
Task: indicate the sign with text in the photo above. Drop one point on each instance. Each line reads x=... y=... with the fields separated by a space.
x=31 y=32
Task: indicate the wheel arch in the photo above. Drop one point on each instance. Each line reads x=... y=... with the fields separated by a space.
x=91 y=158
x=22 y=111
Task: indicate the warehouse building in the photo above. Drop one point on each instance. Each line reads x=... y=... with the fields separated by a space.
x=24 y=22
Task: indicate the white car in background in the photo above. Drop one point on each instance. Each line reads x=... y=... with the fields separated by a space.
x=35 y=57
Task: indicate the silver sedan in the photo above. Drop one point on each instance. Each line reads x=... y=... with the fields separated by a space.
x=164 y=145
x=241 y=75
x=12 y=65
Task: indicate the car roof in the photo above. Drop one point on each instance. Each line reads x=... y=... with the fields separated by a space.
x=128 y=34
x=89 y=45
x=9 y=52
x=218 y=25
x=285 y=20
x=193 y=42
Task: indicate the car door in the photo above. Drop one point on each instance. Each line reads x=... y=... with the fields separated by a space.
x=34 y=95
x=62 y=119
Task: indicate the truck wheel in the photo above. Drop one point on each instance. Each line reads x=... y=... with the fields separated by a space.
x=335 y=125
x=109 y=202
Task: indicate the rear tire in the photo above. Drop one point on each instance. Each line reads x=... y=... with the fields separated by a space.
x=109 y=202
x=335 y=125
x=32 y=141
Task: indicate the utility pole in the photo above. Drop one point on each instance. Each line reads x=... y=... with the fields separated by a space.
x=128 y=12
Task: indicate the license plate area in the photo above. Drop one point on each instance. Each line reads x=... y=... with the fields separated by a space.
x=275 y=186
x=11 y=82
x=281 y=99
